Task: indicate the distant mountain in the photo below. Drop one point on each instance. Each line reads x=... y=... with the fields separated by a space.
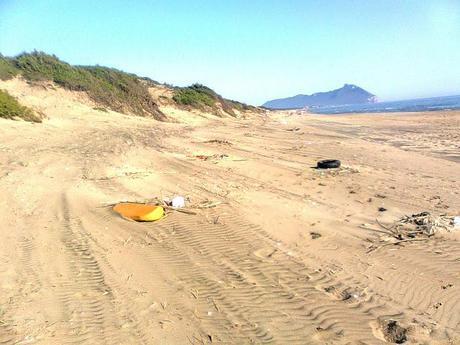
x=348 y=94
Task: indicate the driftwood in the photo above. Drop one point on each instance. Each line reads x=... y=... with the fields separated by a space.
x=218 y=141
x=415 y=228
x=374 y=248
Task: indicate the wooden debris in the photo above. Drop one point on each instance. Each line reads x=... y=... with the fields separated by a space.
x=217 y=156
x=207 y=204
x=219 y=141
x=415 y=228
x=429 y=224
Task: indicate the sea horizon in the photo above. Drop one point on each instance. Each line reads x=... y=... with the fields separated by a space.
x=410 y=105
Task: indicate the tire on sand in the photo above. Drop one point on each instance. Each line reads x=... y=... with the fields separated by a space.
x=328 y=164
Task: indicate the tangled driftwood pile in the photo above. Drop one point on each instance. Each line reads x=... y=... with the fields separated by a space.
x=417 y=227
x=426 y=224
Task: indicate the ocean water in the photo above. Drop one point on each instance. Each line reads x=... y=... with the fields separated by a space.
x=422 y=104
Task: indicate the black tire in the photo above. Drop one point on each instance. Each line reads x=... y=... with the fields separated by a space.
x=328 y=164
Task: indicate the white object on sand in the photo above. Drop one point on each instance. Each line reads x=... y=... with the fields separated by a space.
x=178 y=202
x=457 y=222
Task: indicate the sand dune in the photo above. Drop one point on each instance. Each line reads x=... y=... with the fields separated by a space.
x=282 y=259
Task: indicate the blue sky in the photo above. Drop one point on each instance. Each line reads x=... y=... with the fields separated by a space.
x=252 y=50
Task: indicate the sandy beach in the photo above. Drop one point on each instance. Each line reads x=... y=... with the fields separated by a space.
x=288 y=254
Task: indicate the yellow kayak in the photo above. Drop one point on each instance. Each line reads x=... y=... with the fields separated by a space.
x=140 y=212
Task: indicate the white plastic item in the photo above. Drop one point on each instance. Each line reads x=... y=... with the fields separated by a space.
x=457 y=222
x=178 y=202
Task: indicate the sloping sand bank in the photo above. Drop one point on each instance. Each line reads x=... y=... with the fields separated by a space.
x=282 y=259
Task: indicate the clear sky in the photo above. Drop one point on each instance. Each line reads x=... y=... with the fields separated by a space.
x=252 y=50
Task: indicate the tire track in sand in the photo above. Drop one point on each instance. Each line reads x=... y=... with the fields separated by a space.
x=414 y=279
x=247 y=288
x=88 y=307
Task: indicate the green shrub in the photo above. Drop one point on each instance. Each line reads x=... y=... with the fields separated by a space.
x=10 y=109
x=242 y=107
x=201 y=97
x=7 y=68
x=193 y=97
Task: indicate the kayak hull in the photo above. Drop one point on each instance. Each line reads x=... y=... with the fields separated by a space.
x=140 y=212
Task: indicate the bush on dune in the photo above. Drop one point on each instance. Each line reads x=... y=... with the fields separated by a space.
x=7 y=68
x=11 y=109
x=202 y=97
x=195 y=95
x=111 y=88
x=114 y=89
x=243 y=106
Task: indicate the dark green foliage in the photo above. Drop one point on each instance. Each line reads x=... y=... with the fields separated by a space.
x=109 y=87
x=242 y=106
x=195 y=95
x=7 y=68
x=10 y=109
x=202 y=97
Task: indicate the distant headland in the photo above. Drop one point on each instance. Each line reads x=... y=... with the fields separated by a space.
x=348 y=94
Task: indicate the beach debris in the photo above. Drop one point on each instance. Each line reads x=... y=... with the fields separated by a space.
x=428 y=224
x=417 y=227
x=350 y=295
x=437 y=305
x=315 y=235
x=457 y=222
x=149 y=210
x=444 y=287
x=217 y=156
x=344 y=295
x=382 y=209
x=164 y=203
x=207 y=204
x=178 y=202
x=139 y=212
x=420 y=224
x=332 y=173
x=219 y=141
x=295 y=129
x=393 y=332
x=328 y=164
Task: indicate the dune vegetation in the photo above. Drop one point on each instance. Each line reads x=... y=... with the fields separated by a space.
x=114 y=89
x=111 y=88
x=11 y=109
x=202 y=97
x=7 y=68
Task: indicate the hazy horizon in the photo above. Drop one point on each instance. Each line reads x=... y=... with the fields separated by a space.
x=253 y=52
